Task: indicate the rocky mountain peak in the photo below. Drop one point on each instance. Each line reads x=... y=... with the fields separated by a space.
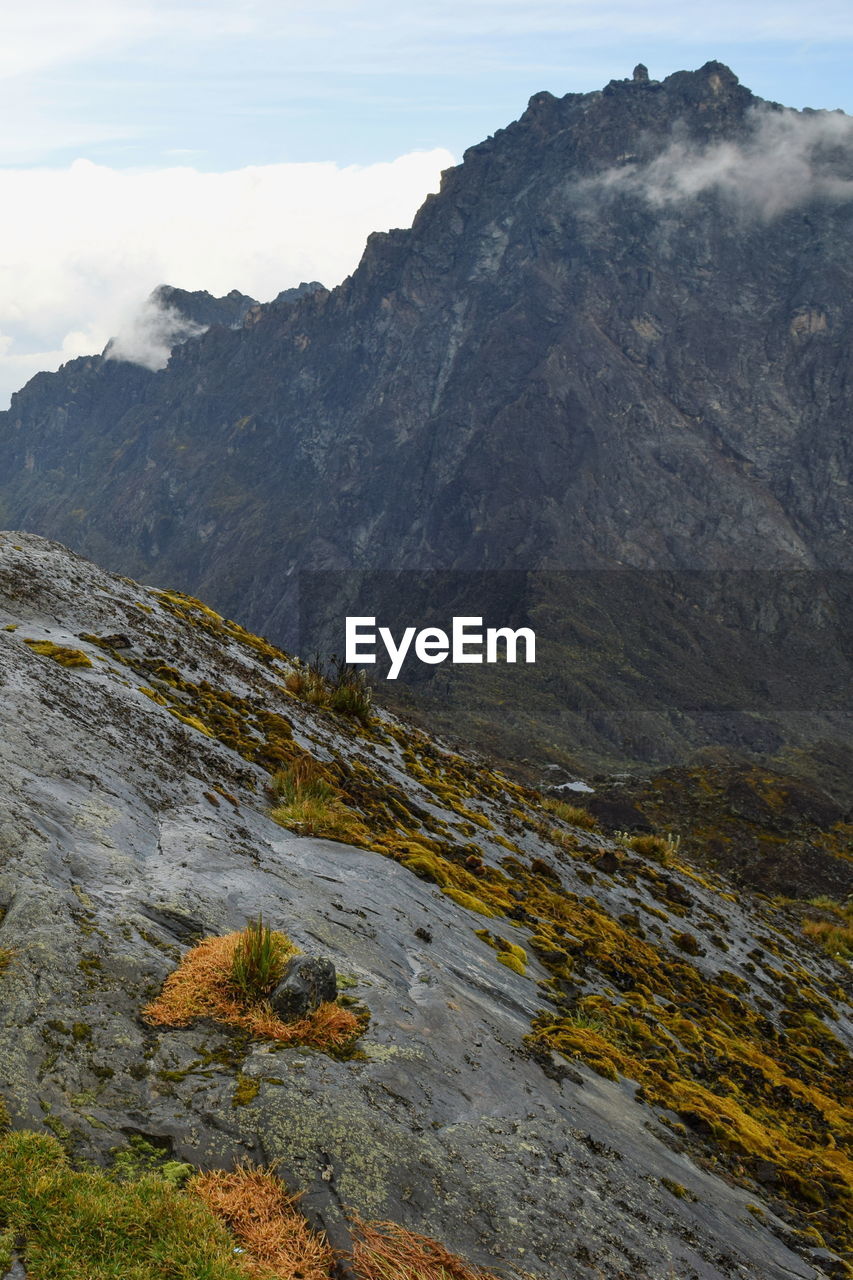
x=616 y=341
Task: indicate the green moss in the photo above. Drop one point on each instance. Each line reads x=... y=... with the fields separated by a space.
x=676 y=1189
x=246 y=1090
x=470 y=902
x=140 y=1158
x=90 y=1224
x=509 y=953
x=193 y=721
x=65 y=656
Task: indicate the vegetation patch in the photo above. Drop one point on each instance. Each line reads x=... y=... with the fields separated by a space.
x=263 y=1218
x=509 y=953
x=77 y=1224
x=831 y=927
x=203 y=986
x=141 y=1158
x=138 y=1223
x=60 y=653
x=336 y=686
x=573 y=814
x=386 y=1251
x=258 y=960
x=311 y=804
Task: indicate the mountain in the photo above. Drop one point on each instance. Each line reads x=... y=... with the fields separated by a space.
x=572 y=1053
x=615 y=347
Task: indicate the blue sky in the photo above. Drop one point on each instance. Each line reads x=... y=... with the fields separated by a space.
x=254 y=143
x=224 y=84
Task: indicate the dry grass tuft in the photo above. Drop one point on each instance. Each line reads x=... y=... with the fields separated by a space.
x=263 y=1218
x=574 y=814
x=835 y=935
x=386 y=1251
x=202 y=987
x=311 y=804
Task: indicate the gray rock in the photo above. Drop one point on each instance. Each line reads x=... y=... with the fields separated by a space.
x=16 y=1271
x=112 y=862
x=307 y=983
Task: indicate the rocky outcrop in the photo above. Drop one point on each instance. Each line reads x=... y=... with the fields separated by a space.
x=618 y=338
x=517 y=975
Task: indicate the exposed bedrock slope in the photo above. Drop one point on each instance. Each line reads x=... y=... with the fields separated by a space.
x=134 y=820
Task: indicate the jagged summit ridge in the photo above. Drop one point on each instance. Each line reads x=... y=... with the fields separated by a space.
x=619 y=337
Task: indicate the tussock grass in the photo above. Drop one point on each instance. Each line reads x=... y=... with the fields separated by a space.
x=834 y=936
x=202 y=987
x=659 y=848
x=574 y=814
x=264 y=1220
x=336 y=686
x=258 y=960
x=311 y=804
x=85 y=1224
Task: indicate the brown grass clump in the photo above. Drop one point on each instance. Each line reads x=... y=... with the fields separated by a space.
x=836 y=938
x=201 y=987
x=574 y=814
x=263 y=1218
x=278 y=1243
x=386 y=1251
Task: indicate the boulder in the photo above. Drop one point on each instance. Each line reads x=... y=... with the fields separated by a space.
x=307 y=982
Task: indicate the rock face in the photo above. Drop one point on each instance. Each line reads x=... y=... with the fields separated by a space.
x=618 y=338
x=519 y=985
x=305 y=984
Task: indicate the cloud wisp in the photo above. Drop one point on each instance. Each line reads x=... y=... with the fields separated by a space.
x=149 y=334
x=786 y=160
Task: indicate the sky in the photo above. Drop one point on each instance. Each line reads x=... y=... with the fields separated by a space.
x=252 y=144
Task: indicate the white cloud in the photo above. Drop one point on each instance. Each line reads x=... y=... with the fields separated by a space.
x=149 y=334
x=81 y=248
x=786 y=159
x=48 y=33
